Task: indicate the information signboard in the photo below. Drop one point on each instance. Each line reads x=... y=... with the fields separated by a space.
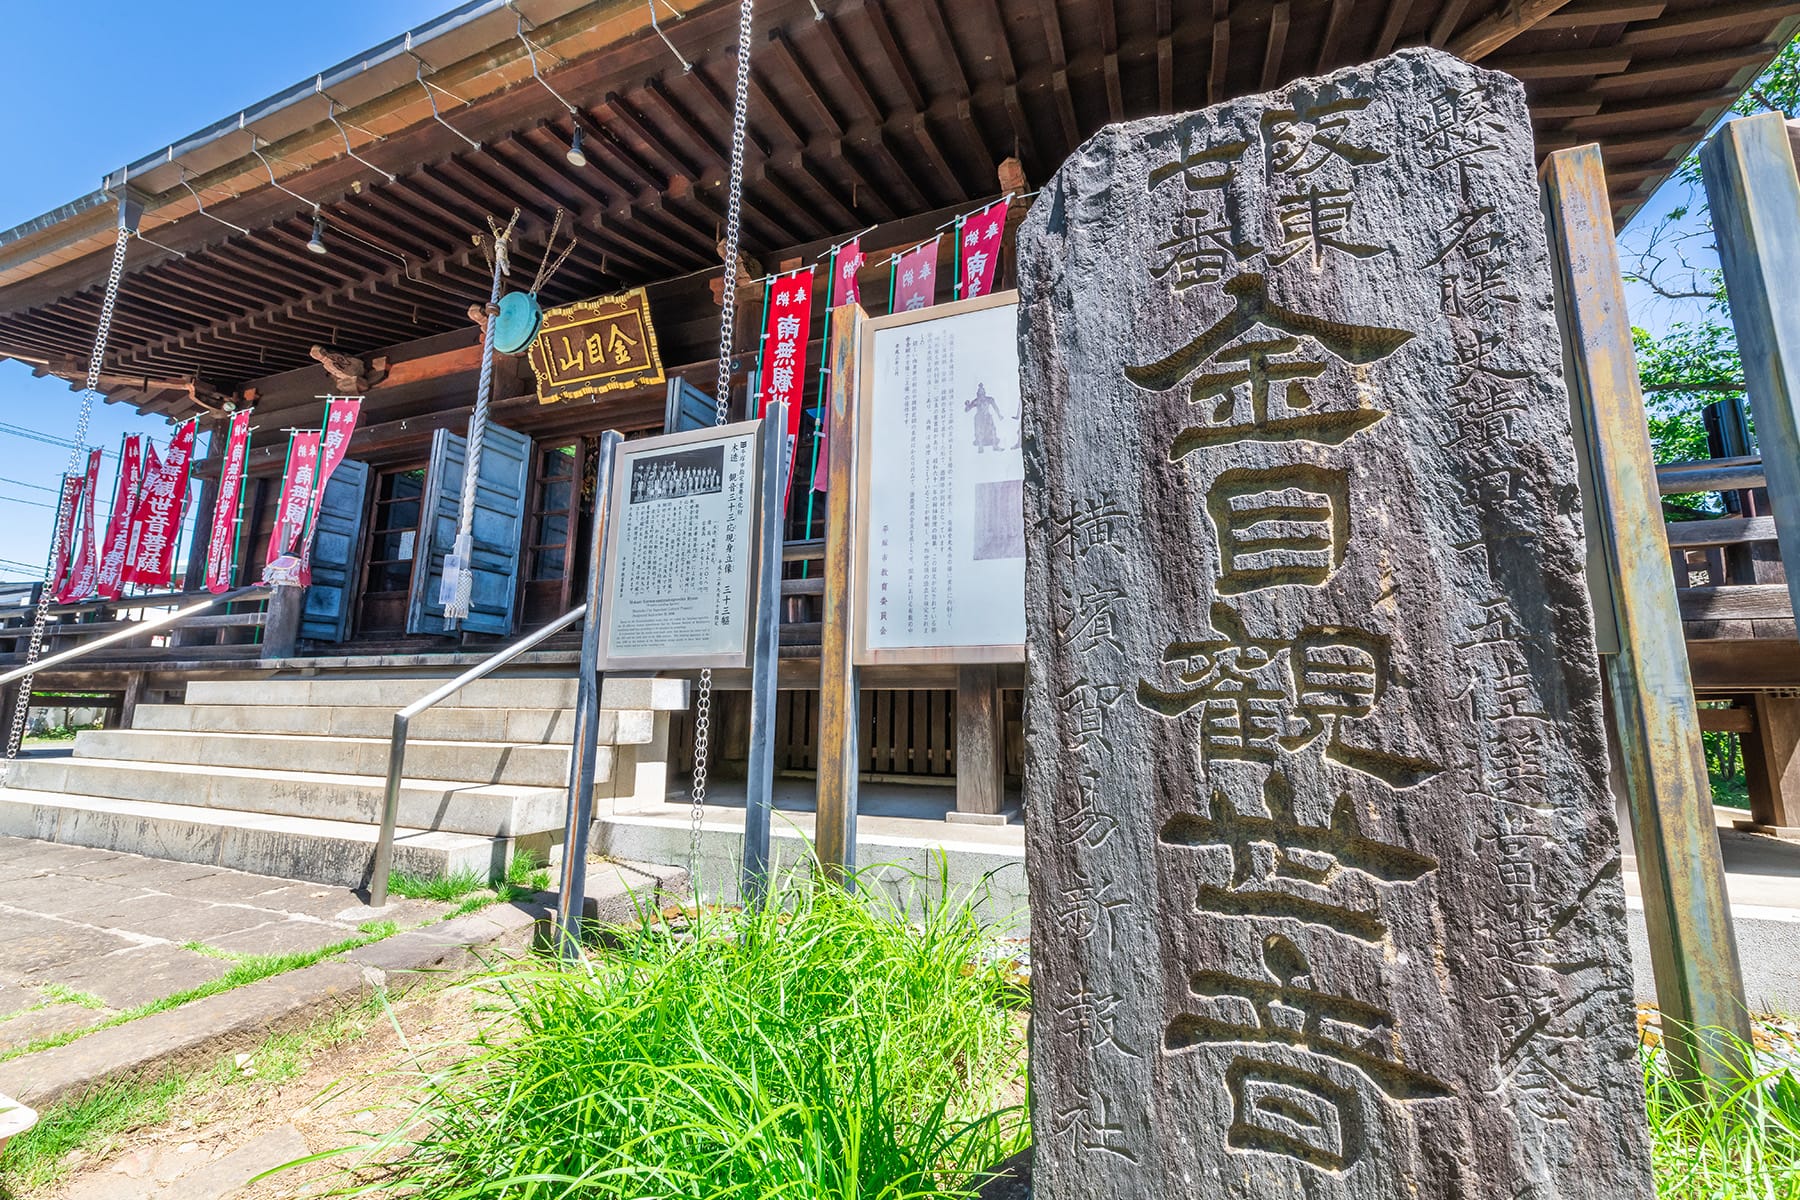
x=940 y=573
x=681 y=550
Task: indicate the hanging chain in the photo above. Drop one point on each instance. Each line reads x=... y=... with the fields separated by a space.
x=734 y=206
x=65 y=515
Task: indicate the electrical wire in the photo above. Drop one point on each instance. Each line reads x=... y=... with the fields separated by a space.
x=48 y=439
x=32 y=503
x=22 y=483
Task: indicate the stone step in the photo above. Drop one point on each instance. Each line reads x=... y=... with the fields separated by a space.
x=391 y=692
x=491 y=810
x=525 y=726
x=533 y=766
x=323 y=851
x=519 y=725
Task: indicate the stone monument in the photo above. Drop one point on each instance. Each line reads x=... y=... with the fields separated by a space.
x=1325 y=879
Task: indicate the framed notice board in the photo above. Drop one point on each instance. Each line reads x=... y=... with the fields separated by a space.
x=680 y=550
x=940 y=560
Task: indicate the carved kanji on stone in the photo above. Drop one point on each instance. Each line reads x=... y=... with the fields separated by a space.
x=1324 y=870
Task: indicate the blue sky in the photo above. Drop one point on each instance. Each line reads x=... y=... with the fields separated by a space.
x=104 y=82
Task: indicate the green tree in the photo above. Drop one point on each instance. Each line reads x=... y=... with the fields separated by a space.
x=1695 y=363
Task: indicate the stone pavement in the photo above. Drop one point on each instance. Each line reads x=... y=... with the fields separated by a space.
x=88 y=934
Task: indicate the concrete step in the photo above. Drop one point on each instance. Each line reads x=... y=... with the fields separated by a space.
x=323 y=851
x=392 y=692
x=536 y=766
x=491 y=810
x=544 y=726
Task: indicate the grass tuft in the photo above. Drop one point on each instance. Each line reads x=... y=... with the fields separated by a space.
x=1739 y=1144
x=829 y=1047
x=444 y=888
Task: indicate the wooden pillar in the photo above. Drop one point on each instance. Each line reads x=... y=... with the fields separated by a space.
x=1754 y=196
x=9 y=699
x=839 y=687
x=128 y=703
x=1772 y=766
x=980 y=746
x=194 y=576
x=281 y=633
x=731 y=714
x=1699 y=984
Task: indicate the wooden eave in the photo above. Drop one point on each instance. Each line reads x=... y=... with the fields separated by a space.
x=878 y=112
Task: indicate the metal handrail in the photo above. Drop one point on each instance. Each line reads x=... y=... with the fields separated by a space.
x=390 y=805
x=254 y=591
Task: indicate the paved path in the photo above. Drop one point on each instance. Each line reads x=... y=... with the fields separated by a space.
x=88 y=934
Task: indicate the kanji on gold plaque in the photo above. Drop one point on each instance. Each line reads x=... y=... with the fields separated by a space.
x=601 y=345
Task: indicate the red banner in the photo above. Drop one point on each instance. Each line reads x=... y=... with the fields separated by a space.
x=111 y=581
x=156 y=523
x=340 y=422
x=84 y=574
x=62 y=540
x=846 y=261
x=786 y=325
x=282 y=563
x=915 y=278
x=221 y=546
x=978 y=250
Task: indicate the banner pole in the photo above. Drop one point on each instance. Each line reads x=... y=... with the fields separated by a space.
x=956 y=260
x=759 y=786
x=812 y=477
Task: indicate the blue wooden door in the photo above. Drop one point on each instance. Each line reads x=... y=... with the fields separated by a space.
x=498 y=526
x=329 y=600
x=688 y=408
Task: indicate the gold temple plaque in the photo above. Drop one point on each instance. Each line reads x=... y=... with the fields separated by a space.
x=601 y=345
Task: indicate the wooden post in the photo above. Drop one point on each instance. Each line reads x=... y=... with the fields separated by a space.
x=281 y=632
x=129 y=700
x=1755 y=200
x=1772 y=767
x=980 y=746
x=1699 y=984
x=765 y=657
x=839 y=702
x=9 y=700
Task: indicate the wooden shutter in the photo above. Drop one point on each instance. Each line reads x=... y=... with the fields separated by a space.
x=331 y=597
x=498 y=527
x=688 y=408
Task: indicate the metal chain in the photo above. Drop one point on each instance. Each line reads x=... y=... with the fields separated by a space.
x=64 y=515
x=734 y=207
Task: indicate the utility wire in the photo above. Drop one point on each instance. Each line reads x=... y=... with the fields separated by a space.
x=33 y=503
x=48 y=439
x=24 y=484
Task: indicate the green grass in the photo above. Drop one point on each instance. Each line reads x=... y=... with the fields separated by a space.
x=245 y=968
x=1741 y=1145
x=524 y=877
x=38 y=1159
x=831 y=1048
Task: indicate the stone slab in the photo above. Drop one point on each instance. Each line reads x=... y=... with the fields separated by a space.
x=42 y=955
x=128 y=978
x=1325 y=877
x=48 y=1021
x=64 y=895
x=215 y=1025
x=173 y=918
x=288 y=936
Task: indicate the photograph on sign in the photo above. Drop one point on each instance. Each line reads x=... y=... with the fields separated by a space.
x=940 y=512
x=680 y=550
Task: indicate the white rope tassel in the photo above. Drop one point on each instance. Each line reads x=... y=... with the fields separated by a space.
x=64 y=515
x=459 y=572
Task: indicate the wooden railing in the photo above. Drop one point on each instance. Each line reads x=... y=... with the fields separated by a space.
x=215 y=635
x=1729 y=578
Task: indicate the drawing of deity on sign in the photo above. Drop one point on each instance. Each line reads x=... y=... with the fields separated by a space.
x=1304 y=1058
x=1263 y=698
x=1252 y=369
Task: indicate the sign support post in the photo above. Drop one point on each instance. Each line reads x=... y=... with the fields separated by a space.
x=570 y=908
x=834 y=837
x=765 y=658
x=1699 y=984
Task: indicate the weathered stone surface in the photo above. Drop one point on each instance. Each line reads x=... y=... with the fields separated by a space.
x=1324 y=873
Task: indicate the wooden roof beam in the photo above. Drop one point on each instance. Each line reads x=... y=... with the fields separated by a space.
x=1511 y=19
x=1024 y=145
x=1659 y=72
x=1216 y=81
x=1328 y=59
x=1592 y=14
x=1275 y=46
x=1565 y=64
x=1713 y=18
x=1391 y=28
x=1444 y=27
x=1059 y=73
